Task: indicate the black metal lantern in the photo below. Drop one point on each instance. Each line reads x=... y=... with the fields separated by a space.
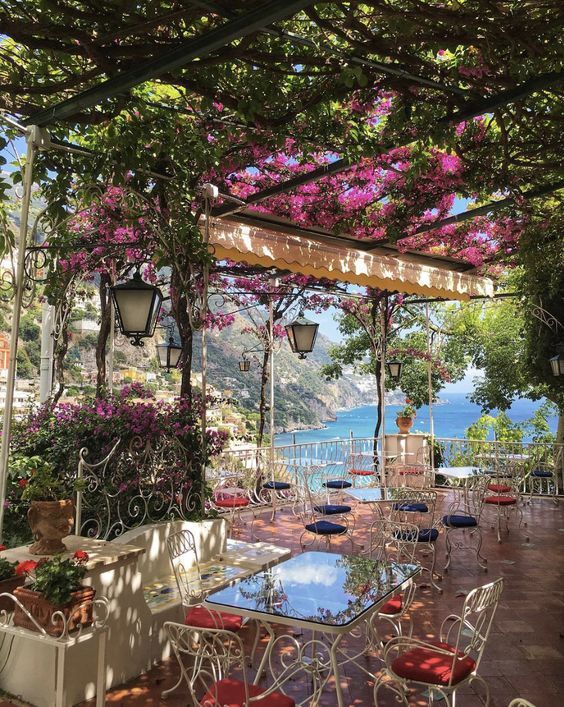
x=137 y=306
x=169 y=354
x=301 y=335
x=244 y=364
x=557 y=362
x=394 y=370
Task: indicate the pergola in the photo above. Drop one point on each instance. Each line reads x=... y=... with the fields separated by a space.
x=256 y=36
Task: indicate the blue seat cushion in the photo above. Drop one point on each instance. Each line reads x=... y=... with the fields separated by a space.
x=337 y=484
x=412 y=507
x=325 y=527
x=460 y=521
x=425 y=535
x=540 y=474
x=277 y=486
x=331 y=509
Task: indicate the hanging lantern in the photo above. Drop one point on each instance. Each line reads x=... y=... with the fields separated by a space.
x=169 y=354
x=244 y=364
x=137 y=306
x=301 y=335
x=557 y=362
x=394 y=370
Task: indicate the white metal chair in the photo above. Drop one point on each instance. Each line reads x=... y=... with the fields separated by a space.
x=463 y=517
x=542 y=479
x=520 y=702
x=231 y=496
x=322 y=518
x=186 y=566
x=207 y=657
x=413 y=474
x=445 y=665
x=505 y=500
x=391 y=541
x=418 y=507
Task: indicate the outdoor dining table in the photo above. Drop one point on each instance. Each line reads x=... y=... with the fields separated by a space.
x=458 y=476
x=323 y=592
x=376 y=496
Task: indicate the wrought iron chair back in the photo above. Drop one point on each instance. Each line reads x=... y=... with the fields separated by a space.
x=473 y=626
x=186 y=566
x=393 y=541
x=208 y=656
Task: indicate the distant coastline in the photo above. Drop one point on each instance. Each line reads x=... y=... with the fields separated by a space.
x=451 y=418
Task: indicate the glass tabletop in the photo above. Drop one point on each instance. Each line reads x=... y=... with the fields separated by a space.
x=318 y=587
x=375 y=494
x=459 y=472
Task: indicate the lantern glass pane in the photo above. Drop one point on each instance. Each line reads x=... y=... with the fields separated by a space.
x=175 y=352
x=135 y=309
x=557 y=364
x=305 y=335
x=162 y=352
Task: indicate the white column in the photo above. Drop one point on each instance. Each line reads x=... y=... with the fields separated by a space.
x=32 y=138
x=430 y=385
x=271 y=345
x=383 y=308
x=47 y=344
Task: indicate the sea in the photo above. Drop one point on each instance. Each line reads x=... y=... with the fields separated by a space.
x=451 y=416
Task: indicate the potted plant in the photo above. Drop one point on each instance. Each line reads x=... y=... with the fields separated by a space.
x=404 y=418
x=50 y=515
x=53 y=594
x=9 y=580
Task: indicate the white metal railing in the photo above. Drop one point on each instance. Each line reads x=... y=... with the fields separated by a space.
x=448 y=451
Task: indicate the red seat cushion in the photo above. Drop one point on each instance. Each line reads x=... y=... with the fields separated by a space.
x=410 y=471
x=392 y=606
x=231 y=693
x=500 y=500
x=499 y=488
x=425 y=665
x=361 y=472
x=231 y=501
x=201 y=617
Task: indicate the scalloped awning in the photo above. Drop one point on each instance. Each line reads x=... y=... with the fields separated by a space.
x=307 y=256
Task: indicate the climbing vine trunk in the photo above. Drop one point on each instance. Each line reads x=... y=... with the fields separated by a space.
x=103 y=334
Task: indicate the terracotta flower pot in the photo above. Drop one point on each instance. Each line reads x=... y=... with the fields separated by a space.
x=50 y=521
x=8 y=586
x=78 y=612
x=404 y=424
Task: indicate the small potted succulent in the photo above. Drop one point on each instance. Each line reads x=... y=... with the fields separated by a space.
x=9 y=580
x=50 y=516
x=404 y=418
x=53 y=594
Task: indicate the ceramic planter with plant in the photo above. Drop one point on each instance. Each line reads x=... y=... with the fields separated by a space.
x=50 y=515
x=53 y=595
x=9 y=580
x=405 y=417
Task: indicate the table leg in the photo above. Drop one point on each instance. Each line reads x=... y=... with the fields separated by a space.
x=60 y=686
x=264 y=660
x=335 y=666
x=101 y=671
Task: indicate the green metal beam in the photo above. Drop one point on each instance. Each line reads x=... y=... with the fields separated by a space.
x=489 y=208
x=299 y=180
x=487 y=105
x=197 y=47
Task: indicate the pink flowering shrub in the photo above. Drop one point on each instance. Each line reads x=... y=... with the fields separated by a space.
x=158 y=457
